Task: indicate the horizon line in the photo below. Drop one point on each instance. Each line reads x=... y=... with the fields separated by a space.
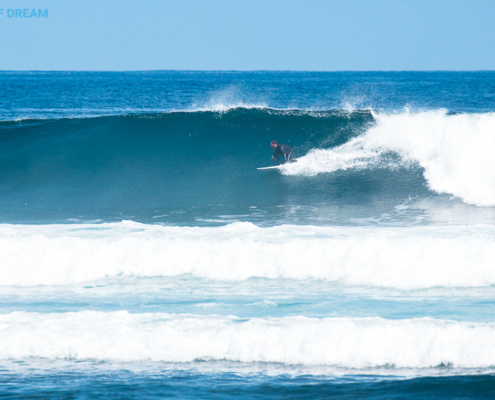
x=241 y=70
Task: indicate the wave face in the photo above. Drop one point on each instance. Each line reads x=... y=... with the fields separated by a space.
x=200 y=167
x=140 y=166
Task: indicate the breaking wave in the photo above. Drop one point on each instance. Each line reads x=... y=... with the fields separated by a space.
x=455 y=151
x=401 y=258
x=141 y=166
x=342 y=342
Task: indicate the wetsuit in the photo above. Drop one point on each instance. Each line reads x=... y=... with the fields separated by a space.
x=285 y=151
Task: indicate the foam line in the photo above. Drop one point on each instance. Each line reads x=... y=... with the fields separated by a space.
x=402 y=258
x=343 y=342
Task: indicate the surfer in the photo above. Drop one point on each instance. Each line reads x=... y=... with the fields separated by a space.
x=283 y=150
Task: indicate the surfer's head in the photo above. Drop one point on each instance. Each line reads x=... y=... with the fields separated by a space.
x=273 y=144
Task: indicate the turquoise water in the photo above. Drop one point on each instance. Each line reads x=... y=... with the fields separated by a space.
x=144 y=256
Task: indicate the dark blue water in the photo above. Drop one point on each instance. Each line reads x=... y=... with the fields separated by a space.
x=143 y=255
x=71 y=94
x=190 y=385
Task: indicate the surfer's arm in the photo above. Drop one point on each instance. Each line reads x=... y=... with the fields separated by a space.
x=276 y=158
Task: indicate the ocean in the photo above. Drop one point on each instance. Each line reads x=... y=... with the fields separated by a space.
x=143 y=255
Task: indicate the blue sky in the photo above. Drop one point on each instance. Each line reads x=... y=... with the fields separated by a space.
x=312 y=35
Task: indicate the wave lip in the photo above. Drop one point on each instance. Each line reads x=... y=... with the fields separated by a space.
x=342 y=342
x=401 y=258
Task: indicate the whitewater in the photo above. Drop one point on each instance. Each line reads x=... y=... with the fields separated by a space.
x=141 y=247
x=455 y=151
x=401 y=258
x=341 y=342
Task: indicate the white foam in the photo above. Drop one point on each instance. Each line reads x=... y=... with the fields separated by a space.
x=223 y=107
x=352 y=154
x=229 y=98
x=403 y=258
x=265 y=303
x=456 y=151
x=343 y=342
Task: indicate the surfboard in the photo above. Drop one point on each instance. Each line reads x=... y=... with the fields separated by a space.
x=275 y=166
